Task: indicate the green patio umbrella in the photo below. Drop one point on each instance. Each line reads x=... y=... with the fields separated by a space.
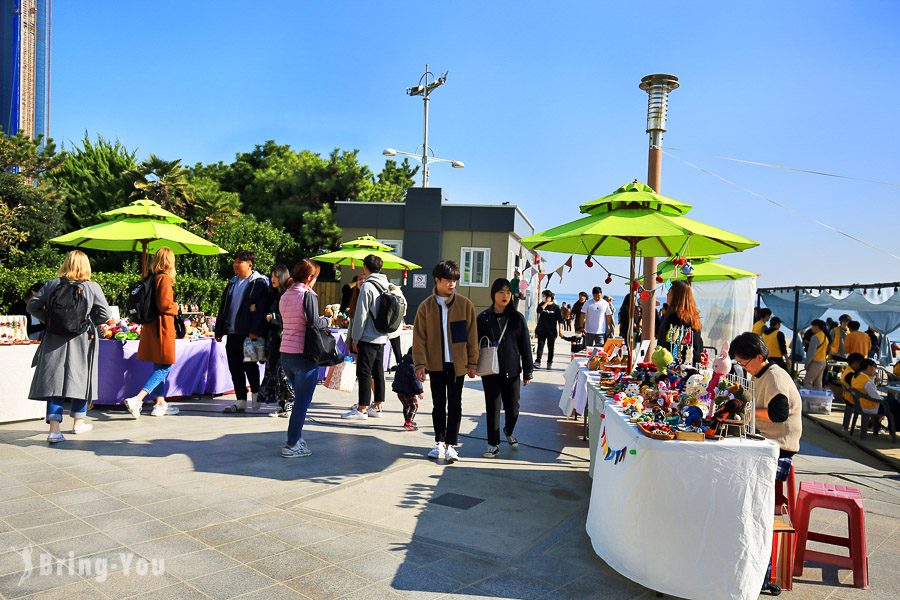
x=705 y=268
x=351 y=256
x=150 y=229
x=649 y=226
x=367 y=241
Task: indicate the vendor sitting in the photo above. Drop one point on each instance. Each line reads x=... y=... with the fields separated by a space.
x=778 y=402
x=863 y=381
x=853 y=364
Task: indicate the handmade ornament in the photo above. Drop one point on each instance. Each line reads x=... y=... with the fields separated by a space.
x=662 y=358
x=721 y=367
x=589 y=262
x=608 y=280
x=616 y=456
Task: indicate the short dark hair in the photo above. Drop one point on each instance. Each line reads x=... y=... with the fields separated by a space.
x=546 y=293
x=818 y=323
x=36 y=287
x=373 y=263
x=855 y=357
x=245 y=255
x=866 y=363
x=497 y=286
x=854 y=325
x=597 y=290
x=585 y=294
x=446 y=269
x=765 y=313
x=748 y=345
x=844 y=317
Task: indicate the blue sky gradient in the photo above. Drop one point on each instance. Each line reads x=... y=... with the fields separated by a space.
x=542 y=104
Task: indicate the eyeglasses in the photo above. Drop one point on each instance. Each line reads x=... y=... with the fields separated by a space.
x=745 y=362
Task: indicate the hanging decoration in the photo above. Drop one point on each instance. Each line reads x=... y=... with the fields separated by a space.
x=612 y=454
x=589 y=261
x=568 y=263
x=405 y=275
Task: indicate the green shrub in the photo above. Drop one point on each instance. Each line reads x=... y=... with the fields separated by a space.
x=206 y=293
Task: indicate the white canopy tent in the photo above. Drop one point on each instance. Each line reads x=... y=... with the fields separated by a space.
x=878 y=305
x=726 y=308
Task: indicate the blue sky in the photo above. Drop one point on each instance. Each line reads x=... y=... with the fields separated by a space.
x=542 y=104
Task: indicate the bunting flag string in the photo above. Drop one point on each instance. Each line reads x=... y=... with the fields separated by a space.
x=568 y=263
x=612 y=454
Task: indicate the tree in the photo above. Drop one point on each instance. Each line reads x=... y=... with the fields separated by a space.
x=209 y=205
x=93 y=179
x=31 y=209
x=163 y=181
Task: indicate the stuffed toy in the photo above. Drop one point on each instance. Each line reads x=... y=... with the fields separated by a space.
x=693 y=415
x=662 y=358
x=721 y=368
x=731 y=409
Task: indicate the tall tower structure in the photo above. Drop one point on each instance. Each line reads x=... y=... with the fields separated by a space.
x=25 y=66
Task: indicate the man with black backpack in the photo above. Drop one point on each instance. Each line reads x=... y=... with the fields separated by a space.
x=372 y=322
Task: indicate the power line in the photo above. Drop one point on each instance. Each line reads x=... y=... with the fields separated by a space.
x=783 y=206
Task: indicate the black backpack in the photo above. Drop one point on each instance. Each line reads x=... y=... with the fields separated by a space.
x=140 y=307
x=389 y=311
x=67 y=309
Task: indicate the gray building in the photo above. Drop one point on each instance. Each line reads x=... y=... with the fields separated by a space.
x=425 y=229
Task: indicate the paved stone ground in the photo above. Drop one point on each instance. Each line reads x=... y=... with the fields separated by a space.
x=209 y=494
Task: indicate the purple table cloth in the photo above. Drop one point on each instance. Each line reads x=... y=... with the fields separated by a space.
x=201 y=367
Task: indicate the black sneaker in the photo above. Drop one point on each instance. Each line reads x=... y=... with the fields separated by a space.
x=773 y=588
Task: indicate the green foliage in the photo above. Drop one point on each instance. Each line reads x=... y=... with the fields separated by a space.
x=209 y=205
x=31 y=211
x=163 y=181
x=93 y=179
x=206 y=293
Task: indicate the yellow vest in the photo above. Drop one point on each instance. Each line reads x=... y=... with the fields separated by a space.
x=859 y=383
x=897 y=369
x=821 y=354
x=848 y=397
x=839 y=334
x=758 y=327
x=771 y=340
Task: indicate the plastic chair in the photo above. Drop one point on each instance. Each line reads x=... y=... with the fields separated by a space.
x=790 y=500
x=866 y=420
x=815 y=494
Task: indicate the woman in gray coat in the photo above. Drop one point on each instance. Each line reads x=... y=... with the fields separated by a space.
x=66 y=363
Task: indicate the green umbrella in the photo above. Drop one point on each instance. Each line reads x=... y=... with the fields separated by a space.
x=367 y=241
x=635 y=195
x=352 y=256
x=649 y=226
x=704 y=269
x=148 y=229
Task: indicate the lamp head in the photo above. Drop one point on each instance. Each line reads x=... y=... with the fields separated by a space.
x=457 y=164
x=389 y=152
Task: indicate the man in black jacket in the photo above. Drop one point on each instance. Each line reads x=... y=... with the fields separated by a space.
x=242 y=315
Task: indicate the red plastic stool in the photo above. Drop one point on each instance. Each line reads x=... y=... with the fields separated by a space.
x=790 y=499
x=814 y=494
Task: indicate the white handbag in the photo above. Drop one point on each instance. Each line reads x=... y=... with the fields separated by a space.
x=488 y=363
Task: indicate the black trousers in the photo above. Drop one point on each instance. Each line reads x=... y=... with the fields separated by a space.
x=395 y=348
x=446 y=395
x=241 y=372
x=369 y=370
x=551 y=344
x=497 y=389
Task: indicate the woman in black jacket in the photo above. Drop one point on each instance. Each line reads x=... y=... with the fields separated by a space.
x=506 y=329
x=682 y=312
x=549 y=319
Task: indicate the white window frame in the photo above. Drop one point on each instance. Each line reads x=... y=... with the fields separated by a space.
x=397 y=245
x=485 y=276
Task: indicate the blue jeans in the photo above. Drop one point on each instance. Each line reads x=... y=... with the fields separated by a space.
x=56 y=407
x=154 y=385
x=303 y=374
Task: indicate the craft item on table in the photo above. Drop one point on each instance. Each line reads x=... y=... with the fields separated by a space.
x=692 y=413
x=730 y=410
x=596 y=361
x=661 y=358
x=721 y=368
x=656 y=430
x=612 y=454
x=694 y=384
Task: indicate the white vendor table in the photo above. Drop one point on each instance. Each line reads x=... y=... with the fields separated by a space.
x=575 y=389
x=15 y=381
x=687 y=519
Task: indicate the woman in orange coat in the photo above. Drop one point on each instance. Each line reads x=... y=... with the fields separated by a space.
x=157 y=343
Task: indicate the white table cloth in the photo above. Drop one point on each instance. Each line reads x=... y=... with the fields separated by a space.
x=688 y=519
x=15 y=381
x=567 y=397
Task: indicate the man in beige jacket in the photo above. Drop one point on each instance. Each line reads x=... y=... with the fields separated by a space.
x=445 y=345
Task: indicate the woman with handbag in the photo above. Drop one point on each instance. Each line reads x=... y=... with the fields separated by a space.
x=301 y=324
x=504 y=355
x=157 y=343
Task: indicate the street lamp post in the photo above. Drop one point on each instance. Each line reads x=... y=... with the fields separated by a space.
x=657 y=87
x=424 y=89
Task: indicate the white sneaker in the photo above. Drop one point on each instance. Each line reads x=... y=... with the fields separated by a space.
x=512 y=441
x=438 y=451
x=134 y=406
x=491 y=452
x=55 y=438
x=375 y=413
x=162 y=410
x=298 y=450
x=82 y=428
x=254 y=401
x=355 y=414
x=450 y=454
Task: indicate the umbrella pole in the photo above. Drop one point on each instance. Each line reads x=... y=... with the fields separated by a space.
x=633 y=253
x=143 y=258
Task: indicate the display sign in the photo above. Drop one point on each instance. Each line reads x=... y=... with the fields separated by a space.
x=420 y=281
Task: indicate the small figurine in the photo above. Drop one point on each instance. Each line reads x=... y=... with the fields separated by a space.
x=721 y=368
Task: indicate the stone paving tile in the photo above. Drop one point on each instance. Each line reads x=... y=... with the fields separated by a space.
x=223 y=533
x=112 y=521
x=15 y=491
x=54 y=532
x=16 y=585
x=340 y=548
x=305 y=534
x=124 y=585
x=23 y=505
x=168 y=547
x=375 y=566
x=515 y=584
x=148 y=496
x=275 y=519
x=254 y=548
x=38 y=517
x=288 y=565
x=77 y=496
x=195 y=519
x=199 y=564
x=232 y=582
x=81 y=590
x=420 y=582
x=10 y=562
x=83 y=545
x=169 y=508
x=142 y=532
x=376 y=591
x=467 y=568
x=276 y=592
x=330 y=582
x=62 y=484
x=91 y=509
x=179 y=591
x=588 y=588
